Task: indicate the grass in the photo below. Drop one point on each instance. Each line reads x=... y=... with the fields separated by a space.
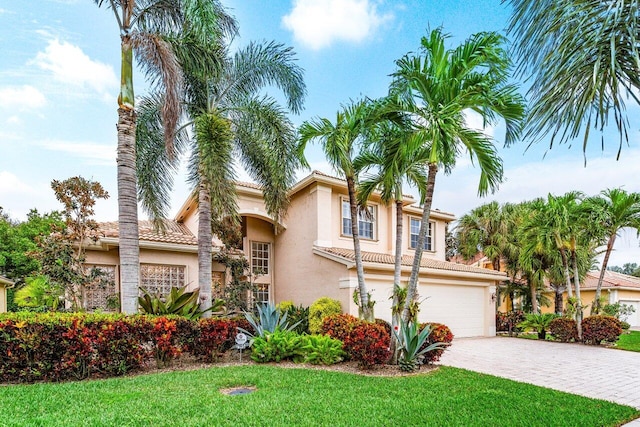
x=630 y=341
x=448 y=396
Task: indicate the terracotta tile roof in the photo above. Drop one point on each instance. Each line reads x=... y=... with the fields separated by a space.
x=249 y=185
x=317 y=172
x=174 y=232
x=611 y=280
x=375 y=257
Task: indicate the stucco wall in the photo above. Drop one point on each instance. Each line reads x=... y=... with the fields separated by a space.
x=3 y=299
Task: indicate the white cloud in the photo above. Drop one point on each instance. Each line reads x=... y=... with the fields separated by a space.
x=318 y=23
x=93 y=153
x=21 y=97
x=11 y=184
x=71 y=66
x=14 y=120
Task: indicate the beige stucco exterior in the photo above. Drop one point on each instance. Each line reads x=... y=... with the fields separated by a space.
x=303 y=268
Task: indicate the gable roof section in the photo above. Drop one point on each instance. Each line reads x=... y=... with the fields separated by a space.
x=348 y=256
x=174 y=233
x=611 y=280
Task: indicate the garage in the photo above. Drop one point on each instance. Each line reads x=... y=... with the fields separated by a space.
x=634 y=318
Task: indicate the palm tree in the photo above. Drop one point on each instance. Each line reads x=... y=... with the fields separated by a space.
x=583 y=57
x=613 y=211
x=146 y=26
x=483 y=229
x=437 y=87
x=398 y=156
x=339 y=141
x=231 y=119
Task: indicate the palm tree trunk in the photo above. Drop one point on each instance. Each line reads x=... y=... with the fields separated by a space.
x=424 y=226
x=558 y=301
x=576 y=281
x=595 y=308
x=365 y=305
x=567 y=273
x=204 y=247
x=533 y=288
x=395 y=318
x=129 y=249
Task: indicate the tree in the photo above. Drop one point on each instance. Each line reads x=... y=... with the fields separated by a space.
x=483 y=229
x=583 y=58
x=339 y=141
x=614 y=210
x=147 y=26
x=396 y=156
x=437 y=87
x=230 y=119
x=62 y=252
x=629 y=268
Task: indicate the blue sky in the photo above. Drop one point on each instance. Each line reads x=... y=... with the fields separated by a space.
x=59 y=83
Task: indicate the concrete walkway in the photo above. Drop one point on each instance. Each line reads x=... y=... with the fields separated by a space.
x=596 y=372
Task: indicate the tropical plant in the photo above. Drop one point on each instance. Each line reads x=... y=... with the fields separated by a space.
x=321 y=349
x=596 y=329
x=38 y=292
x=268 y=320
x=484 y=229
x=339 y=142
x=231 y=120
x=538 y=322
x=437 y=87
x=298 y=315
x=411 y=345
x=321 y=308
x=277 y=345
x=148 y=26
x=614 y=210
x=564 y=329
x=583 y=60
x=179 y=301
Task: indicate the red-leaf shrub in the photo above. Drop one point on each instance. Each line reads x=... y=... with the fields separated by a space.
x=215 y=336
x=119 y=345
x=368 y=344
x=508 y=322
x=564 y=329
x=439 y=333
x=384 y=323
x=596 y=329
x=338 y=326
x=165 y=341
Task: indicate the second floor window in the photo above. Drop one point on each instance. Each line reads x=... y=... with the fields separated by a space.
x=260 y=258
x=366 y=221
x=414 y=231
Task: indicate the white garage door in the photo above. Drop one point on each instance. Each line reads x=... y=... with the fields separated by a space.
x=634 y=318
x=461 y=308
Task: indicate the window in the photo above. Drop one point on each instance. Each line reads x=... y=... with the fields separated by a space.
x=101 y=293
x=261 y=294
x=366 y=221
x=260 y=258
x=158 y=279
x=414 y=230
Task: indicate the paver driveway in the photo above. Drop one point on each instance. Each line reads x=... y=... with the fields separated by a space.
x=597 y=372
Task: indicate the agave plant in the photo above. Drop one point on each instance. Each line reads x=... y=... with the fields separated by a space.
x=410 y=340
x=269 y=319
x=178 y=302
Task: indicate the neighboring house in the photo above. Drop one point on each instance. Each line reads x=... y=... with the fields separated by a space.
x=312 y=255
x=4 y=285
x=616 y=288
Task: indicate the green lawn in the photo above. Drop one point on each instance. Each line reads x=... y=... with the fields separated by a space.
x=630 y=341
x=305 y=397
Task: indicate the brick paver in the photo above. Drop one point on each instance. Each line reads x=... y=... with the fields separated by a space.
x=596 y=372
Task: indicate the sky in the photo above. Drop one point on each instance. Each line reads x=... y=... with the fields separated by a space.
x=59 y=75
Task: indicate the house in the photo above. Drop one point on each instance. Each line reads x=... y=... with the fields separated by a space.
x=4 y=285
x=312 y=255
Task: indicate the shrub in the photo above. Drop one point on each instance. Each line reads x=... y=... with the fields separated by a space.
x=320 y=309
x=596 y=329
x=564 y=329
x=412 y=345
x=440 y=333
x=368 y=344
x=538 y=322
x=276 y=346
x=508 y=322
x=214 y=336
x=385 y=324
x=268 y=319
x=164 y=341
x=321 y=349
x=179 y=301
x=297 y=315
x=338 y=326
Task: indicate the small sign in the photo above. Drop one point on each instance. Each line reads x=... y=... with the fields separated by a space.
x=241 y=341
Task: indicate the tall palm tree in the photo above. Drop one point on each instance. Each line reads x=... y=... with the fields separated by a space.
x=583 y=57
x=614 y=210
x=436 y=87
x=339 y=141
x=483 y=229
x=146 y=27
x=396 y=156
x=231 y=119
